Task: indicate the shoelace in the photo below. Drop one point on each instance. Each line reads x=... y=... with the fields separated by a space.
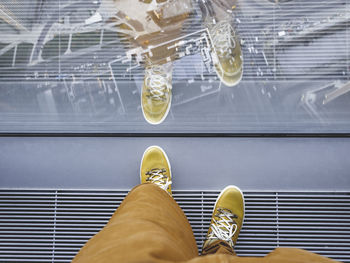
x=223 y=38
x=159 y=177
x=156 y=80
x=225 y=227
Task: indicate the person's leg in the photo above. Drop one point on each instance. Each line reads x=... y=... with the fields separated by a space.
x=148 y=226
x=279 y=255
x=152 y=26
x=223 y=233
x=226 y=48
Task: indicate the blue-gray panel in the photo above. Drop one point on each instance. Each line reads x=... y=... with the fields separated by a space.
x=197 y=163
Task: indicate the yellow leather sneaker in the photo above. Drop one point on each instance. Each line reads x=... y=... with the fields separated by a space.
x=227 y=219
x=227 y=58
x=155 y=168
x=156 y=92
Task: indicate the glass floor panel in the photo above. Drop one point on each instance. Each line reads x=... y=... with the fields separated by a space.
x=73 y=66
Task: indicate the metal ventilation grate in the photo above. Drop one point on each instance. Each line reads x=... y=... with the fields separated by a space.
x=52 y=225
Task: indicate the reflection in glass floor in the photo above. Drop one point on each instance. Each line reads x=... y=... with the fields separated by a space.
x=78 y=66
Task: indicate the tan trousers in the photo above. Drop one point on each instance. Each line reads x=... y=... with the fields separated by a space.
x=150 y=227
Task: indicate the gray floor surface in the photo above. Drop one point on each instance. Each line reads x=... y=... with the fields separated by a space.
x=281 y=164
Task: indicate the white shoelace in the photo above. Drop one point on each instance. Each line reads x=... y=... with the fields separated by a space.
x=159 y=177
x=158 y=82
x=225 y=227
x=223 y=38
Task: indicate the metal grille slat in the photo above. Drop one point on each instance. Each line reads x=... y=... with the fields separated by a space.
x=46 y=225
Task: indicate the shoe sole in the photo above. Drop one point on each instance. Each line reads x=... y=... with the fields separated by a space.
x=166 y=157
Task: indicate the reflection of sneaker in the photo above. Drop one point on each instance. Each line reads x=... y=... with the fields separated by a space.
x=156 y=93
x=227 y=218
x=155 y=168
x=229 y=61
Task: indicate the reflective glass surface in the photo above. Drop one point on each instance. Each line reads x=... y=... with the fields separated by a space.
x=177 y=66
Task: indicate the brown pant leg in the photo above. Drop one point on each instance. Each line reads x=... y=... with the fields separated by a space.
x=279 y=255
x=148 y=226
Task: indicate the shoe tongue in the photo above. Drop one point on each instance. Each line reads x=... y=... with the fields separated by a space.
x=224 y=216
x=158 y=172
x=208 y=242
x=224 y=223
x=157 y=176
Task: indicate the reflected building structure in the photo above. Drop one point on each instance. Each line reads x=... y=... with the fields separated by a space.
x=86 y=62
x=20 y=14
